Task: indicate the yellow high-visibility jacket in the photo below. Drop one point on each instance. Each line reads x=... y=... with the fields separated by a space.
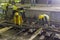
x=41 y=16
x=15 y=7
x=4 y=5
x=18 y=19
x=17 y=0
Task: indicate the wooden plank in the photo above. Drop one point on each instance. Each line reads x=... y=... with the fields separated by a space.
x=35 y=34
x=4 y=29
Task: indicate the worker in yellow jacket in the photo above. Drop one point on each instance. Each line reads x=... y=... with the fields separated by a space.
x=17 y=1
x=18 y=19
x=5 y=8
x=44 y=19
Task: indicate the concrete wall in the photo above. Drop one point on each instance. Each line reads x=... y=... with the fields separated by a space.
x=41 y=1
x=46 y=1
x=55 y=1
x=49 y=2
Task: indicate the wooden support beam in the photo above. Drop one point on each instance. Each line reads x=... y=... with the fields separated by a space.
x=4 y=29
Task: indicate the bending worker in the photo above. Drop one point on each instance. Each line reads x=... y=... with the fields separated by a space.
x=43 y=19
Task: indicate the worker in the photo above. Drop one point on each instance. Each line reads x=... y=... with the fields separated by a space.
x=14 y=7
x=17 y=18
x=22 y=12
x=44 y=18
x=5 y=8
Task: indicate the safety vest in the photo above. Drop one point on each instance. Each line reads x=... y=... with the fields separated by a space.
x=15 y=7
x=41 y=16
x=18 y=19
x=17 y=0
x=4 y=6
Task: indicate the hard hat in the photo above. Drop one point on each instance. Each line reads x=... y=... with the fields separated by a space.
x=16 y=13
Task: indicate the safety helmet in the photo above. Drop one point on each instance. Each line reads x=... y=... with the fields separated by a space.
x=16 y=13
